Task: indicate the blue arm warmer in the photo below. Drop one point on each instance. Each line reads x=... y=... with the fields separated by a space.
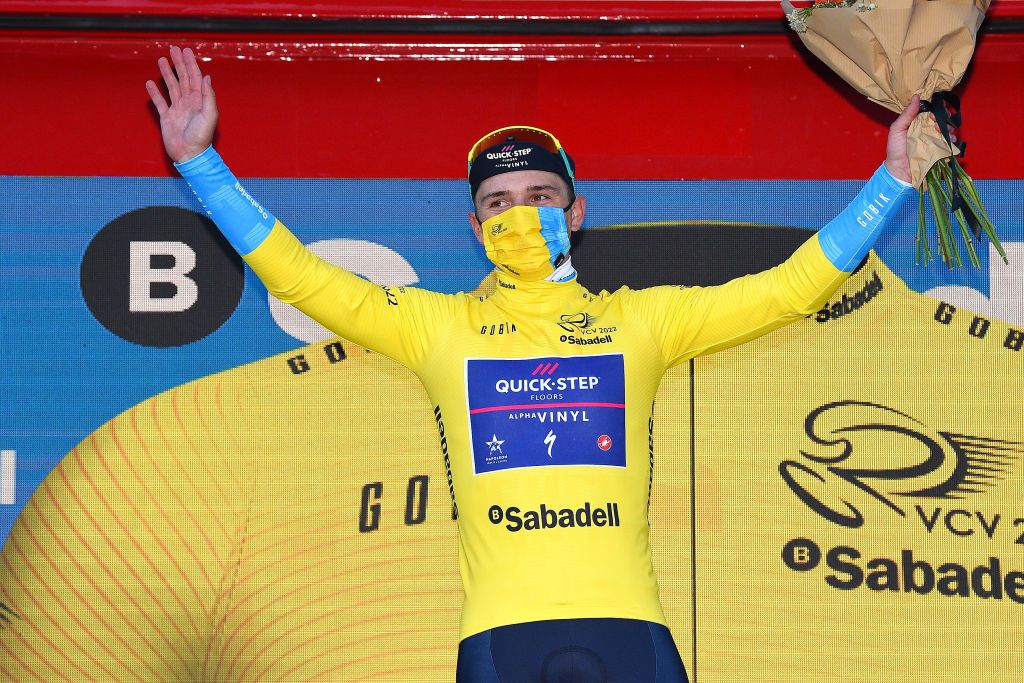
x=240 y=217
x=845 y=240
x=849 y=236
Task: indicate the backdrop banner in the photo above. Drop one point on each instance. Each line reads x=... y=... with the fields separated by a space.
x=205 y=485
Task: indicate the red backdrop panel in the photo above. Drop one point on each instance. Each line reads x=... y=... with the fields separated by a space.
x=409 y=106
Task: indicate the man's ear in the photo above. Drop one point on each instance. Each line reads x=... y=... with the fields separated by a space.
x=475 y=224
x=577 y=212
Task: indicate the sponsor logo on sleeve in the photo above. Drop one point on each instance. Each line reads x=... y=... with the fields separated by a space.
x=848 y=304
x=873 y=210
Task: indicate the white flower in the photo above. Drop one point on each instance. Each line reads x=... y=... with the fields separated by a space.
x=796 y=21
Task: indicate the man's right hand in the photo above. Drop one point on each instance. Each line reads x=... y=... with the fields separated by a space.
x=187 y=125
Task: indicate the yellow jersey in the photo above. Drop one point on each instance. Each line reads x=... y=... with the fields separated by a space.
x=543 y=396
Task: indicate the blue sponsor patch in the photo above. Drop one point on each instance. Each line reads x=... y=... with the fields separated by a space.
x=536 y=412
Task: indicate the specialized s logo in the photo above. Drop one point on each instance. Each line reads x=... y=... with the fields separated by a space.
x=839 y=478
x=550 y=440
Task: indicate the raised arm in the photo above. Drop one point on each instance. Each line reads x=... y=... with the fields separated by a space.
x=692 y=321
x=188 y=123
x=400 y=322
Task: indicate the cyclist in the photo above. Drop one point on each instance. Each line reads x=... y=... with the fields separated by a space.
x=545 y=425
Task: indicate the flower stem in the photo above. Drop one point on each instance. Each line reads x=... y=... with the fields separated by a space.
x=947 y=248
x=947 y=176
x=979 y=210
x=923 y=254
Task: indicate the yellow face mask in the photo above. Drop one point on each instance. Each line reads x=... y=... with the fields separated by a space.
x=527 y=242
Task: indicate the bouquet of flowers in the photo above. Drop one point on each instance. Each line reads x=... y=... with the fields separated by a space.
x=890 y=50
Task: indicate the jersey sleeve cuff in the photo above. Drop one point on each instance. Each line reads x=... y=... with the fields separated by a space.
x=893 y=180
x=208 y=155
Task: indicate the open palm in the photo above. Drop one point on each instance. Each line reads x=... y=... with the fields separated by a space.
x=187 y=125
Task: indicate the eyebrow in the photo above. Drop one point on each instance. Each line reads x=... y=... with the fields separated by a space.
x=531 y=188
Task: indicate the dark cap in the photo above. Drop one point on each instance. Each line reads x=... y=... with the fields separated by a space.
x=519 y=155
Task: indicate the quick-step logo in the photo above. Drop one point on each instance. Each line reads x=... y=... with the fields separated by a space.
x=534 y=412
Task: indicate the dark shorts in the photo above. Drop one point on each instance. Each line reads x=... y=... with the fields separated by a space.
x=572 y=651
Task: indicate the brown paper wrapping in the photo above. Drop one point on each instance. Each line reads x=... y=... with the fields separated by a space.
x=899 y=49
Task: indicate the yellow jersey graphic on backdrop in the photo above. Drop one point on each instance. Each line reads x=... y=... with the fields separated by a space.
x=864 y=513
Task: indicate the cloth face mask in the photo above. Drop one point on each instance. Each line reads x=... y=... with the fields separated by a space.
x=527 y=242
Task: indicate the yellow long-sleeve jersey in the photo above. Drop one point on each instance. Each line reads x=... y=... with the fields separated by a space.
x=543 y=395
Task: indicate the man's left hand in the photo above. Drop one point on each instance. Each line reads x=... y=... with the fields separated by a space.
x=896 y=159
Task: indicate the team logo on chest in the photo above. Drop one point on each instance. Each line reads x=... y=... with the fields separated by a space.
x=546 y=411
x=582 y=330
x=576 y=322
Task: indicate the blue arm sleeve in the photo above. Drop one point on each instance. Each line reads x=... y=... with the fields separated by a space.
x=240 y=217
x=849 y=236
